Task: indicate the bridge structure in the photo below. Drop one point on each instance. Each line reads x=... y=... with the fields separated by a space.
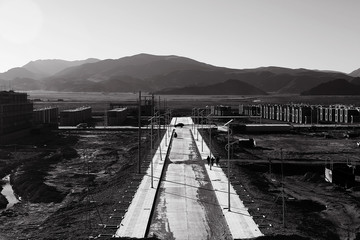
x=182 y=197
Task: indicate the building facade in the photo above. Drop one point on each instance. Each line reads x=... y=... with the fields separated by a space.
x=16 y=112
x=47 y=116
x=116 y=116
x=72 y=117
x=304 y=113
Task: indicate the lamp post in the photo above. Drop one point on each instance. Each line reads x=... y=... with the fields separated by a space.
x=192 y=117
x=151 y=152
x=169 y=113
x=228 y=162
x=165 y=127
x=157 y=115
x=197 y=134
x=208 y=117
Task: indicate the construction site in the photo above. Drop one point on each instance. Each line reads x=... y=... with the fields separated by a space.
x=296 y=182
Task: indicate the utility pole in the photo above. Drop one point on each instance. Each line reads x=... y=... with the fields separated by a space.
x=151 y=154
x=269 y=166
x=139 y=135
x=228 y=160
x=282 y=187
x=210 y=146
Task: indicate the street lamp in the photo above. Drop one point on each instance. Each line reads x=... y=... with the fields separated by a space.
x=228 y=162
x=192 y=117
x=208 y=117
x=197 y=134
x=157 y=115
x=151 y=152
x=169 y=115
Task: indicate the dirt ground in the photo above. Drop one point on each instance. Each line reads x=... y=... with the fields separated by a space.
x=313 y=208
x=71 y=184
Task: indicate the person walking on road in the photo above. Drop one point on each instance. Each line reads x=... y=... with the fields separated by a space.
x=212 y=161
x=208 y=160
x=217 y=160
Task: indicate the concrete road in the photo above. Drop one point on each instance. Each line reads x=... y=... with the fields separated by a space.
x=187 y=205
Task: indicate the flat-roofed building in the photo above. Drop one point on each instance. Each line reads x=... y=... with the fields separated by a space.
x=116 y=116
x=48 y=116
x=354 y=115
x=73 y=117
x=16 y=113
x=222 y=110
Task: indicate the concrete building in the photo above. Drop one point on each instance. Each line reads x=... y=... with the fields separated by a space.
x=73 y=117
x=340 y=174
x=116 y=116
x=16 y=113
x=304 y=113
x=250 y=110
x=222 y=111
x=353 y=115
x=46 y=116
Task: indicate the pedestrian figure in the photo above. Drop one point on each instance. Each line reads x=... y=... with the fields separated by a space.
x=175 y=135
x=217 y=160
x=212 y=161
x=208 y=160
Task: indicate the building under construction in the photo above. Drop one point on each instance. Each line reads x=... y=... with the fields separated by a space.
x=48 y=116
x=72 y=117
x=303 y=113
x=341 y=174
x=116 y=116
x=16 y=114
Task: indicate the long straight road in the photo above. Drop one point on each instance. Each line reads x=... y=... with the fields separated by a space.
x=191 y=200
x=187 y=207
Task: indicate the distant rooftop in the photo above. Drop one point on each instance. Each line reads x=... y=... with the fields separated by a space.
x=117 y=109
x=45 y=108
x=76 y=109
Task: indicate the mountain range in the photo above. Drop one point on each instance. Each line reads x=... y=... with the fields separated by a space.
x=336 y=87
x=162 y=74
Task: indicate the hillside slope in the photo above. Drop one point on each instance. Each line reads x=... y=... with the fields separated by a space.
x=229 y=87
x=355 y=73
x=335 y=87
x=49 y=67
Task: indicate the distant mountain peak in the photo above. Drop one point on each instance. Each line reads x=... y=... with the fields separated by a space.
x=355 y=73
x=17 y=72
x=49 y=67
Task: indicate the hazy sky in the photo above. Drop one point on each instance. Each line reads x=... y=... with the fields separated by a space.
x=314 y=34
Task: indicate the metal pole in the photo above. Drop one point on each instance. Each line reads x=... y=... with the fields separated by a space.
x=228 y=161
x=282 y=188
x=151 y=151
x=159 y=136
x=228 y=168
x=197 y=132
x=202 y=138
x=159 y=114
x=139 y=135
x=152 y=105
x=192 y=117
x=169 y=122
x=210 y=144
x=210 y=147
x=165 y=127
